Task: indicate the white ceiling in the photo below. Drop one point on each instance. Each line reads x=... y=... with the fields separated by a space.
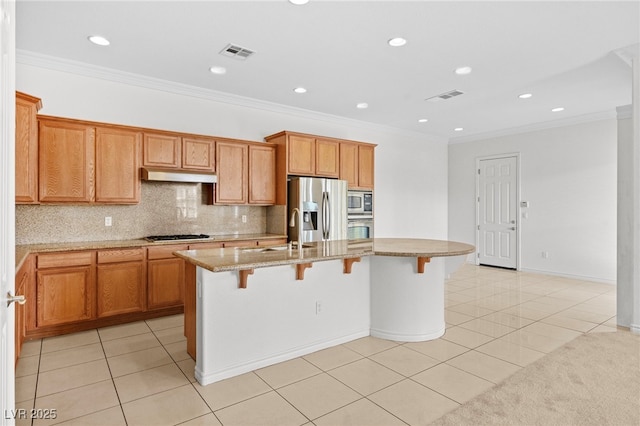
x=564 y=53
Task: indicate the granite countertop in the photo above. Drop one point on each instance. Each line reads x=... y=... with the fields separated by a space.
x=218 y=260
x=22 y=251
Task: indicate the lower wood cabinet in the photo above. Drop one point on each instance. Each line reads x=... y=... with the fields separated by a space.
x=65 y=288
x=120 y=282
x=165 y=277
x=24 y=279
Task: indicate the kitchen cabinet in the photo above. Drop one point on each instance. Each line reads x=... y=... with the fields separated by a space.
x=26 y=148
x=66 y=161
x=233 y=173
x=117 y=165
x=121 y=285
x=357 y=165
x=246 y=173
x=308 y=155
x=161 y=150
x=65 y=288
x=24 y=279
x=165 y=276
x=262 y=174
x=198 y=154
x=327 y=158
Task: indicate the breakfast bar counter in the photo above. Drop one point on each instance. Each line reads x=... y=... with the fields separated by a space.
x=252 y=307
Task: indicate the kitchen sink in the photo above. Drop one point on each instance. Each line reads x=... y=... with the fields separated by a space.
x=274 y=248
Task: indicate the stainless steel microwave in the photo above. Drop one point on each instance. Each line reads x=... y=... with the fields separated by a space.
x=360 y=203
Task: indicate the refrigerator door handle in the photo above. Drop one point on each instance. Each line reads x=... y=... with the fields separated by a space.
x=327 y=216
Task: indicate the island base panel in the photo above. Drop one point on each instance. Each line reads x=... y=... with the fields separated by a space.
x=407 y=306
x=276 y=318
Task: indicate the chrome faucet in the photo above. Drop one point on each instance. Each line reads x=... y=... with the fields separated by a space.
x=292 y=223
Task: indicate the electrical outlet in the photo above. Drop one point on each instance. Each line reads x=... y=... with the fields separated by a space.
x=107 y=221
x=318 y=307
x=545 y=254
x=244 y=218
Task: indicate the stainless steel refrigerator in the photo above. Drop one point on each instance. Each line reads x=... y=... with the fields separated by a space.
x=322 y=209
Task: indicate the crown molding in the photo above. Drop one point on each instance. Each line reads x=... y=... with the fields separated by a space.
x=569 y=121
x=25 y=57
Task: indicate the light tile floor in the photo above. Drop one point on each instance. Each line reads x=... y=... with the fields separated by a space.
x=498 y=321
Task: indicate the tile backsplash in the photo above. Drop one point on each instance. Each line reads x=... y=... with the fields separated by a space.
x=164 y=208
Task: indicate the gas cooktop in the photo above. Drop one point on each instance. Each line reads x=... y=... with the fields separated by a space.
x=177 y=237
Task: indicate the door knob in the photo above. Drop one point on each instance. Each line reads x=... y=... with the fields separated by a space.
x=18 y=299
x=513 y=228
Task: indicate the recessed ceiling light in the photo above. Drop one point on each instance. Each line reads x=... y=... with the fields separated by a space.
x=463 y=70
x=300 y=90
x=99 y=40
x=397 y=42
x=362 y=105
x=422 y=120
x=525 y=96
x=458 y=129
x=557 y=109
x=218 y=70
x=298 y=2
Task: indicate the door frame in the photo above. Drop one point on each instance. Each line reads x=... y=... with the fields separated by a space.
x=517 y=155
x=7 y=206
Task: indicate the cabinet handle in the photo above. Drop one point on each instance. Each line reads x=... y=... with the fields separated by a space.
x=19 y=299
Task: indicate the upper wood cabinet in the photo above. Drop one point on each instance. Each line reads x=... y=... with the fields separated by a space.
x=233 y=173
x=327 y=158
x=117 y=165
x=174 y=152
x=161 y=150
x=262 y=174
x=357 y=165
x=198 y=154
x=246 y=173
x=310 y=156
x=27 y=148
x=66 y=161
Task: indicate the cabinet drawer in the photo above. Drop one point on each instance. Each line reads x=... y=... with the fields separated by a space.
x=61 y=260
x=204 y=246
x=120 y=255
x=164 y=252
x=241 y=243
x=272 y=242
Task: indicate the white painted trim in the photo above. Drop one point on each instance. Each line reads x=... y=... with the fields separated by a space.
x=399 y=337
x=586 y=118
x=518 y=192
x=571 y=276
x=634 y=328
x=624 y=112
x=79 y=68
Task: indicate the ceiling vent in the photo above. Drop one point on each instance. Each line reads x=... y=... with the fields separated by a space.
x=237 y=52
x=445 y=96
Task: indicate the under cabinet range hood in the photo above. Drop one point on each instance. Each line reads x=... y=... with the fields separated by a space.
x=169 y=175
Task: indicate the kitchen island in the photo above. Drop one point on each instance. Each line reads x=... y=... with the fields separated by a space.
x=249 y=308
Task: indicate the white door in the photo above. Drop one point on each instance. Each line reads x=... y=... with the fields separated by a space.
x=7 y=207
x=497 y=212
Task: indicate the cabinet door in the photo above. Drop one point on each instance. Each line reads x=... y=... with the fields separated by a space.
x=23 y=280
x=349 y=164
x=120 y=288
x=117 y=166
x=233 y=173
x=26 y=149
x=64 y=295
x=165 y=283
x=302 y=155
x=262 y=174
x=66 y=162
x=327 y=158
x=161 y=151
x=365 y=166
x=198 y=154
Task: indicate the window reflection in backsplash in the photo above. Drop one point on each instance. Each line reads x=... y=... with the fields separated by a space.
x=164 y=208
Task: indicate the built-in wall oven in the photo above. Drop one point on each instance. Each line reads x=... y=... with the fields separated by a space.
x=360 y=214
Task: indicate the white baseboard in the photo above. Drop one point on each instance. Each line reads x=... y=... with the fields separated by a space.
x=572 y=276
x=255 y=364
